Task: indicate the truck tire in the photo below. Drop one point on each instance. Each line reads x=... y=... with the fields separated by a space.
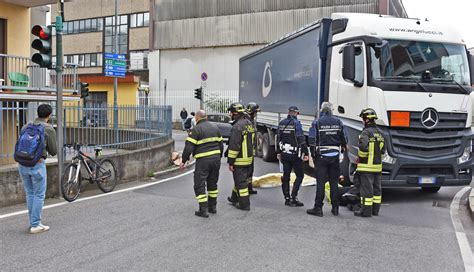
x=345 y=170
x=430 y=189
x=268 y=151
x=259 y=144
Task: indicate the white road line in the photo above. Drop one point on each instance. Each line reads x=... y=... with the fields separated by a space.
x=466 y=251
x=97 y=196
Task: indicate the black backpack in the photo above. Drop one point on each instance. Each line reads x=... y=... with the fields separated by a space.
x=187 y=123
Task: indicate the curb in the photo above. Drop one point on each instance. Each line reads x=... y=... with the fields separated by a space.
x=172 y=170
x=470 y=202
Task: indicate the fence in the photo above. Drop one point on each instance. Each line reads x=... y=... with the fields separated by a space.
x=137 y=126
x=20 y=74
x=214 y=101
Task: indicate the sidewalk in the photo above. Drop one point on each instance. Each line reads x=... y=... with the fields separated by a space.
x=179 y=138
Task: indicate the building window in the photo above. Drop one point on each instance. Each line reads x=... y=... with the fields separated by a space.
x=85 y=60
x=83 y=26
x=140 y=19
x=139 y=60
x=109 y=34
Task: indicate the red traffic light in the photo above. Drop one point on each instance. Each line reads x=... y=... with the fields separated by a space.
x=42 y=32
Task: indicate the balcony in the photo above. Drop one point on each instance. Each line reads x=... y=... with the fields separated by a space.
x=23 y=80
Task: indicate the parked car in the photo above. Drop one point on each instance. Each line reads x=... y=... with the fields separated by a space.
x=223 y=123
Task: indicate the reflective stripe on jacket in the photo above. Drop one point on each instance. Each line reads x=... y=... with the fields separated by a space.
x=371 y=149
x=241 y=147
x=204 y=140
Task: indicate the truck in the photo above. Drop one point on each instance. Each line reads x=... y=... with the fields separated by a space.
x=417 y=76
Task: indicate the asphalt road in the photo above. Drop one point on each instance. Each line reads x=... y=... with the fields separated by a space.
x=154 y=228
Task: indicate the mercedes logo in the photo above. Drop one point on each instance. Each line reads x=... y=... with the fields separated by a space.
x=429 y=118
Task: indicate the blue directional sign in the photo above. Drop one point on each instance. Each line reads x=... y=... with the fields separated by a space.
x=115 y=65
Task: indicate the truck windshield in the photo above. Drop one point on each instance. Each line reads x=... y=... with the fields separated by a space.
x=409 y=60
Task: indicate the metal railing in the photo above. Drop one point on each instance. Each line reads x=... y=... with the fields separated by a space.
x=137 y=126
x=214 y=101
x=20 y=74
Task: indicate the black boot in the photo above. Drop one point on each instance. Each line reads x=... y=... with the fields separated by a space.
x=288 y=202
x=244 y=203
x=317 y=211
x=335 y=210
x=376 y=209
x=202 y=210
x=233 y=199
x=251 y=190
x=212 y=205
x=296 y=202
x=365 y=211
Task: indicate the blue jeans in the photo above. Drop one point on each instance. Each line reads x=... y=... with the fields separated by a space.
x=182 y=123
x=34 y=184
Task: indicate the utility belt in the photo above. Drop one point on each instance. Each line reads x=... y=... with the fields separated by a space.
x=291 y=150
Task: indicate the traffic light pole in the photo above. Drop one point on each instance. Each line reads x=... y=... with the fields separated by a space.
x=59 y=93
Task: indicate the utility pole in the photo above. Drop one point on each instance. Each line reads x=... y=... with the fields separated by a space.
x=116 y=51
x=59 y=91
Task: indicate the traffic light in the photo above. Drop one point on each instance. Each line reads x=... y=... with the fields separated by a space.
x=84 y=89
x=198 y=93
x=43 y=45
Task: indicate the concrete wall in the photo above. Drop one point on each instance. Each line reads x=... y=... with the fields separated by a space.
x=131 y=165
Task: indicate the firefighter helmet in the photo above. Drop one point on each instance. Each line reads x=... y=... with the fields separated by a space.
x=236 y=107
x=368 y=114
x=253 y=107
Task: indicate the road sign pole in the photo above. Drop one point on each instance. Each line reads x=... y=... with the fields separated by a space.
x=59 y=93
x=116 y=51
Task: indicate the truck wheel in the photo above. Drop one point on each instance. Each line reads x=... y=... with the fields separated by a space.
x=259 y=144
x=430 y=189
x=268 y=151
x=345 y=167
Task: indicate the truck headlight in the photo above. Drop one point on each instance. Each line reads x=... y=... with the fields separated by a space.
x=466 y=155
x=387 y=159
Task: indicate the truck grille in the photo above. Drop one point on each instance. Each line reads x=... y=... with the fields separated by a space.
x=444 y=139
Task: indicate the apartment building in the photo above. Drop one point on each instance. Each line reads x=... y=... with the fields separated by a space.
x=89 y=32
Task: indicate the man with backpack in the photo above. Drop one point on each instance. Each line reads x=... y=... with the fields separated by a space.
x=190 y=122
x=36 y=141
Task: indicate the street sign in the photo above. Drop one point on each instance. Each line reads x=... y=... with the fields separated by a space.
x=115 y=65
x=203 y=76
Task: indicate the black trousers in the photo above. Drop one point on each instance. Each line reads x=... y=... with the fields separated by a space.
x=327 y=169
x=240 y=192
x=370 y=188
x=296 y=165
x=250 y=176
x=206 y=174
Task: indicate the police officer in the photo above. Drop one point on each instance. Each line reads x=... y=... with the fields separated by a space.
x=327 y=140
x=240 y=155
x=369 y=166
x=252 y=109
x=291 y=151
x=206 y=144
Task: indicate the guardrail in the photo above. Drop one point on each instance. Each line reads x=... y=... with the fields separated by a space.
x=137 y=126
x=20 y=74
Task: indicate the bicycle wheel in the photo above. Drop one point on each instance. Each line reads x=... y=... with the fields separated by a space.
x=70 y=185
x=106 y=176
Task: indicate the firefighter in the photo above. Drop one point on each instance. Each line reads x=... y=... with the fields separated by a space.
x=240 y=155
x=369 y=166
x=327 y=140
x=291 y=151
x=252 y=109
x=206 y=144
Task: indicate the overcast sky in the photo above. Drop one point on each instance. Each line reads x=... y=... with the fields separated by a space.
x=457 y=13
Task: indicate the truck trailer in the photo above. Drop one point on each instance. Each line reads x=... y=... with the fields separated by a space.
x=414 y=73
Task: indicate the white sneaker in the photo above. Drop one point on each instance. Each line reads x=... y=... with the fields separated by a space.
x=39 y=229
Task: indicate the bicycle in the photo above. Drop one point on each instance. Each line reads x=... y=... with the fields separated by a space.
x=102 y=172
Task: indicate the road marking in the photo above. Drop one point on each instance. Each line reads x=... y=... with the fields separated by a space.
x=466 y=252
x=100 y=195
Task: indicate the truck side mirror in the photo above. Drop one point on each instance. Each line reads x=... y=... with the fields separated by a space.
x=348 y=62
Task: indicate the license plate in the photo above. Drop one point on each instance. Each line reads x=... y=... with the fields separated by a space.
x=427 y=180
